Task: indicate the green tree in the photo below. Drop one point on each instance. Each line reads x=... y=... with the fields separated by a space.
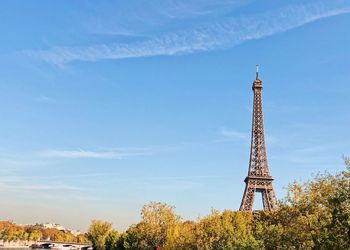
x=97 y=233
x=35 y=235
x=227 y=230
x=112 y=240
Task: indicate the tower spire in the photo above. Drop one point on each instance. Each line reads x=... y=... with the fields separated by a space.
x=259 y=178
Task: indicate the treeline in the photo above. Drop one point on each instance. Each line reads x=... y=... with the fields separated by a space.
x=314 y=215
x=11 y=232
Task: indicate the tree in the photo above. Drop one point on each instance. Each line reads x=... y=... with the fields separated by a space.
x=159 y=227
x=97 y=233
x=81 y=238
x=315 y=215
x=35 y=235
x=112 y=240
x=227 y=230
x=187 y=237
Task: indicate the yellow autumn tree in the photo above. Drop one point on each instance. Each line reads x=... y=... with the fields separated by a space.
x=159 y=227
x=98 y=232
x=314 y=215
x=227 y=230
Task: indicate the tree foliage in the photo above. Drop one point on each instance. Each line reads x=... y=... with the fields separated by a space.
x=314 y=215
x=98 y=232
x=12 y=232
x=159 y=227
x=112 y=240
x=227 y=230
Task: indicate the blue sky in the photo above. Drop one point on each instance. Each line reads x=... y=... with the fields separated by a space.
x=107 y=105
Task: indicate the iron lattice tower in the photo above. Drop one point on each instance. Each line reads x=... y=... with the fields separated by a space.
x=259 y=178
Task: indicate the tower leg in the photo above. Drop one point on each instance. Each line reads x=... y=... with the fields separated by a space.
x=265 y=198
x=247 y=203
x=269 y=199
x=268 y=195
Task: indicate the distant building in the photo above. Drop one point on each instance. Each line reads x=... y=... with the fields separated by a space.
x=52 y=225
x=59 y=227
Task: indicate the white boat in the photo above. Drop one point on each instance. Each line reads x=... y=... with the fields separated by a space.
x=64 y=247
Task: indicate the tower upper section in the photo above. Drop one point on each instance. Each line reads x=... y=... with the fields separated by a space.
x=257 y=82
x=258 y=165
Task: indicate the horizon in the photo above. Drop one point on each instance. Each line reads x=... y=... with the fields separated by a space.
x=107 y=106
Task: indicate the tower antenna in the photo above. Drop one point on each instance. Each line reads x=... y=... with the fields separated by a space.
x=257 y=71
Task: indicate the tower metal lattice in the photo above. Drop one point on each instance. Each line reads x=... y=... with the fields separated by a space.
x=259 y=178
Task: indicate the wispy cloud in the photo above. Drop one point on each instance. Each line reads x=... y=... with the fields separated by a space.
x=11 y=161
x=184 y=9
x=43 y=189
x=115 y=153
x=204 y=37
x=18 y=184
x=117 y=19
x=178 y=183
x=271 y=139
x=173 y=185
x=230 y=134
x=45 y=99
x=234 y=135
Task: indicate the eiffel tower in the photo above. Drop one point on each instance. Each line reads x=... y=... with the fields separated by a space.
x=259 y=178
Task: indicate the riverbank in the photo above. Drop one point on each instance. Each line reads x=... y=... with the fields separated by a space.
x=14 y=248
x=16 y=244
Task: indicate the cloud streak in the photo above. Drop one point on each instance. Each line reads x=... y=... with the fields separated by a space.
x=117 y=153
x=230 y=134
x=117 y=19
x=17 y=184
x=205 y=37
